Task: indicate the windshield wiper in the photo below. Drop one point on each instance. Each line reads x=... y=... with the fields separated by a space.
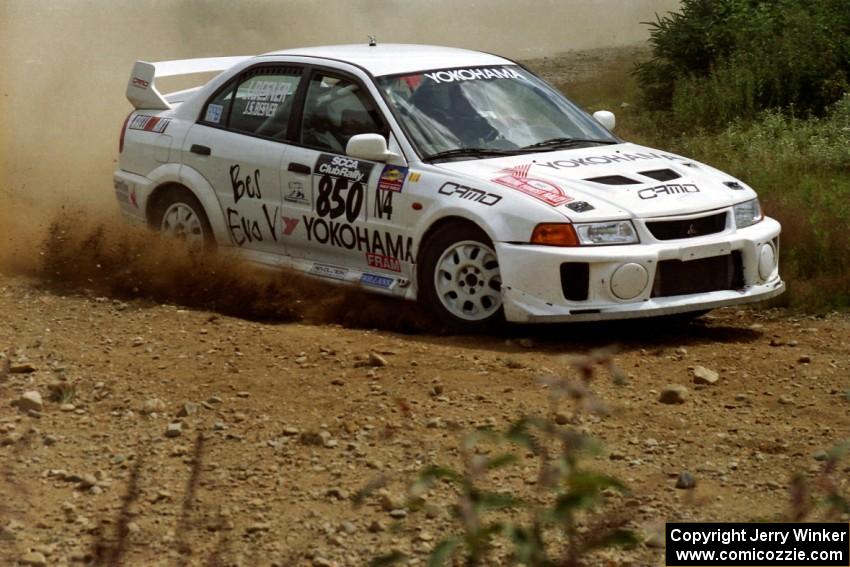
x=565 y=143
x=469 y=152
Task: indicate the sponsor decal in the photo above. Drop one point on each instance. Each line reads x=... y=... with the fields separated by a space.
x=468 y=193
x=391 y=181
x=675 y=189
x=328 y=271
x=383 y=205
x=141 y=83
x=149 y=123
x=376 y=280
x=580 y=206
x=247 y=187
x=360 y=238
x=339 y=186
x=243 y=227
x=263 y=97
x=296 y=193
x=383 y=262
x=392 y=178
x=601 y=160
x=213 y=113
x=476 y=74
x=414 y=177
x=289 y=225
x=517 y=178
x=346 y=167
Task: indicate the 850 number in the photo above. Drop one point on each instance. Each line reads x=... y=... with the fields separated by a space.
x=331 y=201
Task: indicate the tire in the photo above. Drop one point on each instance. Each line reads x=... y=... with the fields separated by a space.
x=178 y=214
x=459 y=278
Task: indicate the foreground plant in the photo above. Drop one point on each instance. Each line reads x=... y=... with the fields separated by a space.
x=566 y=518
x=821 y=496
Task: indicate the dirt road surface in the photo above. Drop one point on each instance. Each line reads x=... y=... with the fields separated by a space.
x=266 y=494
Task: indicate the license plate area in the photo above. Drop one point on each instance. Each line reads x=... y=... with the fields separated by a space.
x=690 y=253
x=699 y=275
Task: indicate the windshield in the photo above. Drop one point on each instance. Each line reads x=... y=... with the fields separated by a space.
x=485 y=111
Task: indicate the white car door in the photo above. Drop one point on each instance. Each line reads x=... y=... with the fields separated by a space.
x=238 y=145
x=340 y=209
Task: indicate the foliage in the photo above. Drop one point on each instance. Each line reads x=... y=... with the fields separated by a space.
x=717 y=60
x=822 y=497
x=800 y=170
x=544 y=530
x=799 y=166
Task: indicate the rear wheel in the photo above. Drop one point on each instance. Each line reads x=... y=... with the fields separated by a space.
x=179 y=215
x=459 y=278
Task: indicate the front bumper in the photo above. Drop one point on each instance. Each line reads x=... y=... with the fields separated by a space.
x=534 y=291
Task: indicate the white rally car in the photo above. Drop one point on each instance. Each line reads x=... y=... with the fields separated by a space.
x=450 y=176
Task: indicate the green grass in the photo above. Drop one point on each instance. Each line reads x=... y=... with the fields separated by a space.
x=800 y=168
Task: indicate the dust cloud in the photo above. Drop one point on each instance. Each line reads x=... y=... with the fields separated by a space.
x=64 y=65
x=83 y=254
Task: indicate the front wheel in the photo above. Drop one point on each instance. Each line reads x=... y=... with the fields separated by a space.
x=459 y=278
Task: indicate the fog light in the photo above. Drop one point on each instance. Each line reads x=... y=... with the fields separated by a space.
x=629 y=281
x=767 y=261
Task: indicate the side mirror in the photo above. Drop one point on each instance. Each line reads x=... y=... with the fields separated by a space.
x=606 y=118
x=370 y=146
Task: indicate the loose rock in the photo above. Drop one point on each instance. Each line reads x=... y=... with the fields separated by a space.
x=153 y=405
x=686 y=481
x=33 y=558
x=377 y=360
x=30 y=401
x=21 y=368
x=703 y=375
x=673 y=394
x=188 y=409
x=174 y=429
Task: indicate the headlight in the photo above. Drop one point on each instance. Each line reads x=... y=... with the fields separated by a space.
x=747 y=214
x=601 y=233
x=587 y=234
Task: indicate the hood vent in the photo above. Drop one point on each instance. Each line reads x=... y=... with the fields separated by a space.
x=614 y=180
x=661 y=174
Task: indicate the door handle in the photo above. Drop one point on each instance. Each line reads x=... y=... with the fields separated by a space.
x=299 y=168
x=200 y=150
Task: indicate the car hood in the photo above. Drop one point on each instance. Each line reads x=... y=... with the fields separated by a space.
x=616 y=181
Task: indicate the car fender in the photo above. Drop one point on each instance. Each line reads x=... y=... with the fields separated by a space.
x=164 y=174
x=204 y=192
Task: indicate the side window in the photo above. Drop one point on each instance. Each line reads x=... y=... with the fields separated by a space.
x=335 y=110
x=260 y=104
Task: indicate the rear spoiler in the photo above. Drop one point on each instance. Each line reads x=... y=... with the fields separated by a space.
x=141 y=91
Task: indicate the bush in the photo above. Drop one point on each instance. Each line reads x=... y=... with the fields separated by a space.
x=799 y=167
x=722 y=59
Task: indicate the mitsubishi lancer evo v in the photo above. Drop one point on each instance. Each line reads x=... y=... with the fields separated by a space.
x=454 y=177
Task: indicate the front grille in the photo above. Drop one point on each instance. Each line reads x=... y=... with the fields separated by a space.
x=674 y=277
x=688 y=228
